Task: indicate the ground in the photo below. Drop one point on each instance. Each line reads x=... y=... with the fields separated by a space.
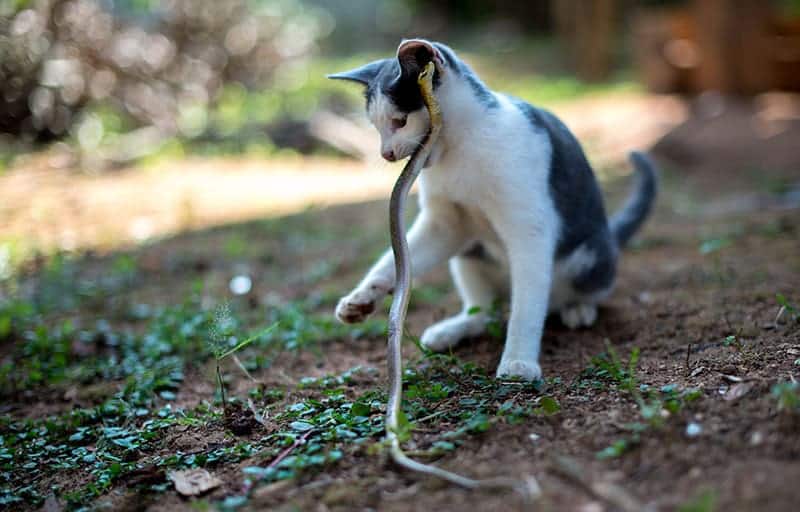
x=683 y=396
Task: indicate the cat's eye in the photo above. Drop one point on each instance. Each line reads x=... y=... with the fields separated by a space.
x=399 y=123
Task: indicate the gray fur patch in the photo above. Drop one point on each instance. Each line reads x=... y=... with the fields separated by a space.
x=631 y=216
x=574 y=188
x=600 y=275
x=578 y=201
x=482 y=93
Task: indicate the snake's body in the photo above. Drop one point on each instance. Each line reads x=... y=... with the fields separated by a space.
x=402 y=293
x=402 y=288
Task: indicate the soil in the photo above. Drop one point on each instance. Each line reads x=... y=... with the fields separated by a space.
x=676 y=303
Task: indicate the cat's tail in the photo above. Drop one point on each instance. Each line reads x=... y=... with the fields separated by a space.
x=628 y=219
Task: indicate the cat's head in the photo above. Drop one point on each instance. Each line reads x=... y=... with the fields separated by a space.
x=394 y=103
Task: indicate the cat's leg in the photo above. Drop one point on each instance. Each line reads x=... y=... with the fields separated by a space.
x=472 y=276
x=435 y=236
x=592 y=268
x=530 y=247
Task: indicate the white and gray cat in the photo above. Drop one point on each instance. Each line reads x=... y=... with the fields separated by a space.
x=507 y=196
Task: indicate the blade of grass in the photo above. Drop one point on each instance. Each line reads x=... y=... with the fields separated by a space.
x=246 y=342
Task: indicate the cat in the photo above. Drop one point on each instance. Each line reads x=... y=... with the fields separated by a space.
x=507 y=196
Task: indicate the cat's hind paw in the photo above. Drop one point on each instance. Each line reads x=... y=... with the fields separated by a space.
x=447 y=333
x=526 y=370
x=579 y=315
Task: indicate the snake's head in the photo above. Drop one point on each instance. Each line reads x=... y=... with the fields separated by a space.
x=425 y=78
x=425 y=82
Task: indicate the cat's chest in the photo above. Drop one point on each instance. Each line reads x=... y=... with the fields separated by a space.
x=465 y=183
x=474 y=198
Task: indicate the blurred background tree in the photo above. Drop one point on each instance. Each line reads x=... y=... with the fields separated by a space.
x=123 y=79
x=92 y=69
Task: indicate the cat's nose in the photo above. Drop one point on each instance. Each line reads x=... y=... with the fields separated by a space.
x=389 y=155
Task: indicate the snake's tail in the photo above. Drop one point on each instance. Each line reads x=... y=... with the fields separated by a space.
x=528 y=490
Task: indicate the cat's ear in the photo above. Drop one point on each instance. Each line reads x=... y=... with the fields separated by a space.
x=414 y=54
x=363 y=75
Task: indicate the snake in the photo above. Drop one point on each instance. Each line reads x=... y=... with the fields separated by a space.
x=402 y=293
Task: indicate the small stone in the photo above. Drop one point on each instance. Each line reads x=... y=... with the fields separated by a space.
x=756 y=438
x=534 y=437
x=693 y=429
x=697 y=371
x=240 y=285
x=592 y=506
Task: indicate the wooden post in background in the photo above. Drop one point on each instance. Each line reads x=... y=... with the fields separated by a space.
x=731 y=38
x=586 y=29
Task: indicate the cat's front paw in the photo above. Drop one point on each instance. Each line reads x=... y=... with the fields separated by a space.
x=526 y=370
x=357 y=306
x=354 y=308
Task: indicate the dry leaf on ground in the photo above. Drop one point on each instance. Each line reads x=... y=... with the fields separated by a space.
x=193 y=482
x=737 y=391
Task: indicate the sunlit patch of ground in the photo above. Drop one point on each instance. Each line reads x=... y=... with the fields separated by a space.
x=45 y=207
x=49 y=208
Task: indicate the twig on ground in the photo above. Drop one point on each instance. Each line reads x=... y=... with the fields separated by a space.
x=611 y=493
x=688 y=356
x=285 y=453
x=781 y=311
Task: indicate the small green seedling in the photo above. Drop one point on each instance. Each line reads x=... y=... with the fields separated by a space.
x=788 y=308
x=609 y=367
x=787 y=394
x=220 y=352
x=734 y=341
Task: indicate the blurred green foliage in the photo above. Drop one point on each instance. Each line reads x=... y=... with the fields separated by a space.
x=250 y=105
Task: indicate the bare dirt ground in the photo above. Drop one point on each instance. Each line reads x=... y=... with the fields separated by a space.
x=696 y=296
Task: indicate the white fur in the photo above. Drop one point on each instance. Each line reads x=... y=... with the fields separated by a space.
x=487 y=182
